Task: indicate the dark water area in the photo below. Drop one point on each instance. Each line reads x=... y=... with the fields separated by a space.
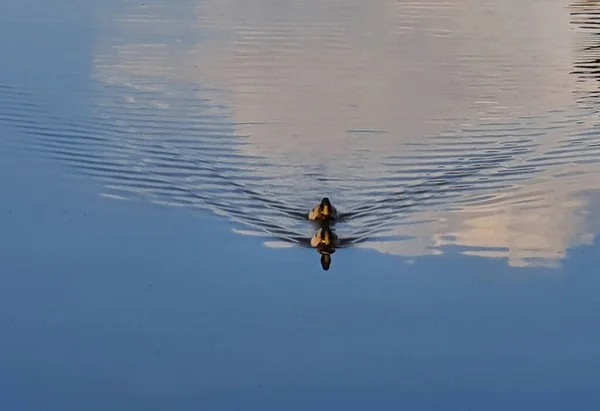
x=158 y=161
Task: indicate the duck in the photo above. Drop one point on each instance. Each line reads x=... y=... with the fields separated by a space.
x=324 y=212
x=325 y=241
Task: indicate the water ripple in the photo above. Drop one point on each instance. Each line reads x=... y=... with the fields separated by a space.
x=428 y=129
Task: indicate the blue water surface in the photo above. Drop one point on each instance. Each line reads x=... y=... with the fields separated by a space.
x=129 y=305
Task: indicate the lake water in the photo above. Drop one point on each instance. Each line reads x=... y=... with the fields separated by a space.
x=158 y=161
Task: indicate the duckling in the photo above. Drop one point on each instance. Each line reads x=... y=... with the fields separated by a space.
x=323 y=212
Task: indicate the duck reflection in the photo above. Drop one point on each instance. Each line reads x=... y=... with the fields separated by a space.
x=325 y=241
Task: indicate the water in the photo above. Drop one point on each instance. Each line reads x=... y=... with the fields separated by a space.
x=459 y=138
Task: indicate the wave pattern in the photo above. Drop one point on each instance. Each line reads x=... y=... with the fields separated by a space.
x=585 y=16
x=137 y=155
x=477 y=161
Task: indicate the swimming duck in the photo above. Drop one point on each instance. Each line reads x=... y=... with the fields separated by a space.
x=323 y=212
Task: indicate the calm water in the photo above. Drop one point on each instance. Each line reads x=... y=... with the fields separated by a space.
x=158 y=160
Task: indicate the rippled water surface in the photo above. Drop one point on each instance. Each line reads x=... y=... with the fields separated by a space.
x=433 y=124
x=438 y=128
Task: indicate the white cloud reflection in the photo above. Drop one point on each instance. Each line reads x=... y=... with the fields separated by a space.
x=371 y=96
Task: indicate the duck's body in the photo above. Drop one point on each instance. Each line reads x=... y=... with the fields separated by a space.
x=325 y=211
x=324 y=239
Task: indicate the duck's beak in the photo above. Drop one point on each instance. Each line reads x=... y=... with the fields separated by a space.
x=326 y=210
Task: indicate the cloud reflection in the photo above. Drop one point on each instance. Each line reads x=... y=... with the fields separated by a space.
x=375 y=103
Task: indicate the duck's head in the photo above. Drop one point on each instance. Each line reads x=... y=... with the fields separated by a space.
x=325 y=207
x=325 y=261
